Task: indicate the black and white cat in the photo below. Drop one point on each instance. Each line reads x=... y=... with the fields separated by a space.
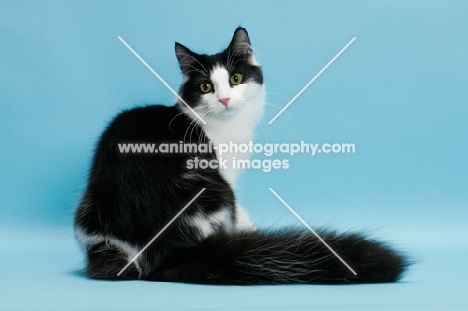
x=130 y=197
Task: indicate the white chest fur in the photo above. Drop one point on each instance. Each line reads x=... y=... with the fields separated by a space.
x=231 y=124
x=231 y=132
x=234 y=123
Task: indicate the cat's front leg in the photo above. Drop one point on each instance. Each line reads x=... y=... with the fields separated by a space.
x=243 y=222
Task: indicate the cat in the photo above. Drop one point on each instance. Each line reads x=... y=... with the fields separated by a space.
x=130 y=197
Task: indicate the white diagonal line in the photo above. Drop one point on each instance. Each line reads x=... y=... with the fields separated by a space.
x=312 y=230
x=311 y=81
x=160 y=232
x=161 y=79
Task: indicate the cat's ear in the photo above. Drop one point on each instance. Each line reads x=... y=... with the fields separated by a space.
x=240 y=46
x=185 y=57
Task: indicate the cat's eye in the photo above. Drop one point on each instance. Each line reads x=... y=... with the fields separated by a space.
x=236 y=79
x=206 y=87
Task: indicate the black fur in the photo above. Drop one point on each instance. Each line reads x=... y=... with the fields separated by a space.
x=131 y=197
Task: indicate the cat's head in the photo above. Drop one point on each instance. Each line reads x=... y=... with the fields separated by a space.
x=222 y=85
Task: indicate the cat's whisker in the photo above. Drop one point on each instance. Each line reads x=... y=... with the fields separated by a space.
x=177 y=115
x=192 y=125
x=263 y=125
x=270 y=105
x=279 y=94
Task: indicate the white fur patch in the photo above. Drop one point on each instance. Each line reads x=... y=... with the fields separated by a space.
x=208 y=225
x=87 y=240
x=220 y=79
x=243 y=222
x=202 y=224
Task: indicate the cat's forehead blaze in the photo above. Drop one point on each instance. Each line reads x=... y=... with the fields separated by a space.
x=219 y=76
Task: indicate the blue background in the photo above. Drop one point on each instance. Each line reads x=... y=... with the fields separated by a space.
x=399 y=92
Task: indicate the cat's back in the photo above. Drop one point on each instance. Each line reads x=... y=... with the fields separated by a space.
x=128 y=147
x=154 y=123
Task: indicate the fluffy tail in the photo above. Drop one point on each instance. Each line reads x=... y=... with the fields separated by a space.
x=281 y=257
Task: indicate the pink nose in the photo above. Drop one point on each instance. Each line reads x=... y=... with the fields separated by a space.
x=224 y=101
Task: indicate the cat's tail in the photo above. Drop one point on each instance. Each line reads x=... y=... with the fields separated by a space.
x=281 y=257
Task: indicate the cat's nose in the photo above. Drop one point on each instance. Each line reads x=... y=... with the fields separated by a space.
x=224 y=101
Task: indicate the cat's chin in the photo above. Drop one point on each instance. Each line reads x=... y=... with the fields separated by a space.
x=227 y=113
